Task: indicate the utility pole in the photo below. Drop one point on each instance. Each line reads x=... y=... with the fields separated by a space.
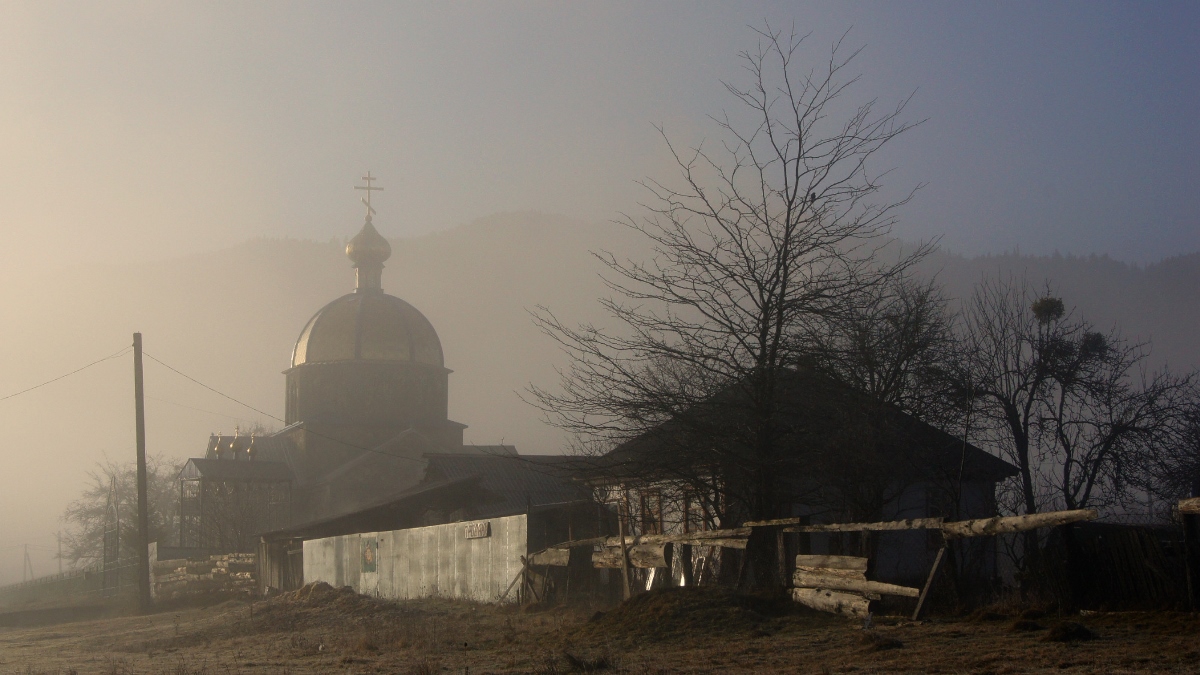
x=27 y=567
x=143 y=552
x=58 y=537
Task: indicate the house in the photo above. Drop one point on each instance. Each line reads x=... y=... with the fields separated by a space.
x=840 y=458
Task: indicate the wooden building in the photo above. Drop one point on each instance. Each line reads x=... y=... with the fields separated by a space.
x=669 y=481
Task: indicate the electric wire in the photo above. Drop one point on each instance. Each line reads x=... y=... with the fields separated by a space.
x=210 y=412
x=307 y=430
x=123 y=351
x=215 y=391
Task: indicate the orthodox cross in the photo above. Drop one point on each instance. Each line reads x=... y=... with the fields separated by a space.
x=369 y=188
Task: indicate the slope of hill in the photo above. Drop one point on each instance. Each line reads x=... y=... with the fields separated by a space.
x=1156 y=302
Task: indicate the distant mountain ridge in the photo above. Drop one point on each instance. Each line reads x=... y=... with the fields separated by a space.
x=1158 y=302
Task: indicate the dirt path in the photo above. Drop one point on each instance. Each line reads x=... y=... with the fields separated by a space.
x=340 y=632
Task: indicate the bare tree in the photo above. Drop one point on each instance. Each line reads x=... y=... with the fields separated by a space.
x=1007 y=367
x=1104 y=413
x=778 y=227
x=1075 y=410
x=895 y=344
x=86 y=517
x=890 y=346
x=1173 y=472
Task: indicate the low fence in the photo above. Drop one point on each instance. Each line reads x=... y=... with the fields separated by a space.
x=77 y=587
x=1108 y=566
x=198 y=575
x=1081 y=565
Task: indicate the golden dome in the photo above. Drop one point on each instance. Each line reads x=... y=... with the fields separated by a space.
x=368 y=327
x=368 y=247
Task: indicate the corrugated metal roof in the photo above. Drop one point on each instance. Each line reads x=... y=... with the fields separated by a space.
x=236 y=470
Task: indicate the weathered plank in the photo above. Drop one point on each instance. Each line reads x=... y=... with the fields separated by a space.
x=805 y=580
x=729 y=538
x=705 y=537
x=648 y=556
x=910 y=524
x=1190 y=506
x=557 y=557
x=608 y=558
x=985 y=527
x=645 y=556
x=739 y=543
x=832 y=572
x=825 y=600
x=841 y=562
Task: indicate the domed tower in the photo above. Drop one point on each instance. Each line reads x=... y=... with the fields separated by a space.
x=369 y=361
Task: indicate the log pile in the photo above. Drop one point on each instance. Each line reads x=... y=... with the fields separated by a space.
x=227 y=574
x=839 y=584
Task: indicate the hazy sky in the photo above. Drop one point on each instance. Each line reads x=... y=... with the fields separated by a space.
x=156 y=128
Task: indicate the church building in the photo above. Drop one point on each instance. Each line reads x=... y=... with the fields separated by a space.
x=366 y=401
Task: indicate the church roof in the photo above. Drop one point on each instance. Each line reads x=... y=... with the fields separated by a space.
x=368 y=324
x=368 y=327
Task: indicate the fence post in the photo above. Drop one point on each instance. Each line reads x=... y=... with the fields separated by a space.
x=1071 y=553
x=1191 y=547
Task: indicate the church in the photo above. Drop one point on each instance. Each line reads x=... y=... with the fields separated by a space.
x=367 y=396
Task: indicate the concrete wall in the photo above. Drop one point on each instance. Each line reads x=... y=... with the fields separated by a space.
x=424 y=562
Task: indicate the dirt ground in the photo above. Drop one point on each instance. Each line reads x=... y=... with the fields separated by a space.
x=322 y=630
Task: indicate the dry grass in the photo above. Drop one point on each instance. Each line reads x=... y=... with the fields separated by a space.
x=693 y=631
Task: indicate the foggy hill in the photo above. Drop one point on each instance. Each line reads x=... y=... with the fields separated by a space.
x=1156 y=302
x=230 y=318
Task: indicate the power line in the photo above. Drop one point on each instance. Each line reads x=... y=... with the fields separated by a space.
x=219 y=393
x=314 y=433
x=60 y=377
x=210 y=412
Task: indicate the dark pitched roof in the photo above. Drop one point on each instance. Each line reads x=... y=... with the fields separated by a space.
x=814 y=407
x=486 y=486
x=398 y=511
x=236 y=470
x=514 y=482
x=389 y=456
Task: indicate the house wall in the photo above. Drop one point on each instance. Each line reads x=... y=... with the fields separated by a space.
x=905 y=557
x=902 y=557
x=424 y=562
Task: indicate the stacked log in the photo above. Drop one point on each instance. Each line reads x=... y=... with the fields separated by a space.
x=644 y=556
x=839 y=585
x=224 y=575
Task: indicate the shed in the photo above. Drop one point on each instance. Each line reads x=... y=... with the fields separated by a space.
x=463 y=532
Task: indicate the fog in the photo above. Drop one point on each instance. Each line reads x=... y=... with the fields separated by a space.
x=186 y=171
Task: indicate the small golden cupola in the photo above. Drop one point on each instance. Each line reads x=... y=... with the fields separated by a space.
x=368 y=250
